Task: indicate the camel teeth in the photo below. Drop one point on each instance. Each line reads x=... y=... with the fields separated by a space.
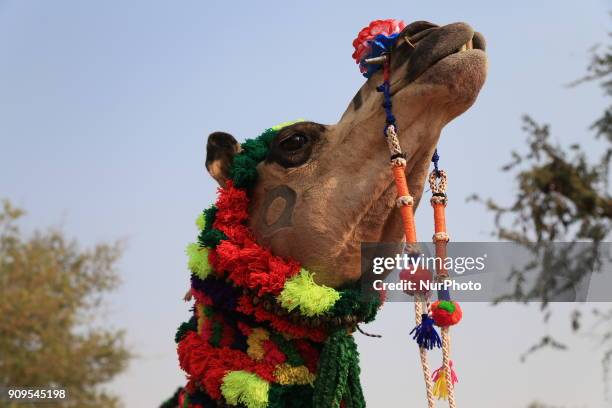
x=467 y=46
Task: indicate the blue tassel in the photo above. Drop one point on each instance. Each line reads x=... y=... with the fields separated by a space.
x=425 y=333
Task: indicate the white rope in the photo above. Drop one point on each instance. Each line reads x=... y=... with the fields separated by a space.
x=440 y=237
x=404 y=200
x=435 y=185
x=447 y=366
x=418 y=311
x=393 y=141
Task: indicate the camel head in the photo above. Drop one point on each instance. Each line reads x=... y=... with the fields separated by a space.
x=324 y=189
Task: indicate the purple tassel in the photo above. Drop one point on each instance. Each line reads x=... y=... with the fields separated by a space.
x=425 y=333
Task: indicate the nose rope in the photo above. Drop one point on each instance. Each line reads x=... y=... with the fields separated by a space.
x=405 y=203
x=444 y=312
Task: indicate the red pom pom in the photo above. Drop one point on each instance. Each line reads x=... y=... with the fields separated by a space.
x=417 y=279
x=446 y=313
x=273 y=355
x=232 y=205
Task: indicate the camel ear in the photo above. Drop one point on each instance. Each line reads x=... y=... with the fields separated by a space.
x=220 y=151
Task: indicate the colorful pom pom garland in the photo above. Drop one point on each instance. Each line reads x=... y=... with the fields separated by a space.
x=263 y=331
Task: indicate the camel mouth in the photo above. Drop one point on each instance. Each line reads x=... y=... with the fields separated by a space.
x=422 y=46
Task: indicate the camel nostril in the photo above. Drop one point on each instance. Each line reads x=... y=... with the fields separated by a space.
x=479 y=42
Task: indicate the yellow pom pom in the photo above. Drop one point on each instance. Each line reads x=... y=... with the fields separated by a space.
x=242 y=387
x=285 y=124
x=287 y=374
x=198 y=260
x=303 y=293
x=255 y=341
x=201 y=221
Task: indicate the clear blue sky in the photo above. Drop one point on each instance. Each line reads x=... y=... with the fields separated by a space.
x=104 y=110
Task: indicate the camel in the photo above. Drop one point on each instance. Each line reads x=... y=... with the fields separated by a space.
x=278 y=261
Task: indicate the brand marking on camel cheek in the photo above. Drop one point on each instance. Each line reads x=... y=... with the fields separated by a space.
x=278 y=207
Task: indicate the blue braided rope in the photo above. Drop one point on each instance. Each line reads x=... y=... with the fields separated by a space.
x=435 y=159
x=385 y=88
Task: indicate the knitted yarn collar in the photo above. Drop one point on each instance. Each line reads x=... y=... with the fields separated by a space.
x=239 y=285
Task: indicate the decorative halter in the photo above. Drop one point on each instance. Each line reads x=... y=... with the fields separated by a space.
x=263 y=333
x=372 y=51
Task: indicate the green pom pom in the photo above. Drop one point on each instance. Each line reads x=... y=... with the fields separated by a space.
x=184 y=328
x=256 y=149
x=353 y=301
x=303 y=293
x=243 y=171
x=447 y=305
x=217 y=333
x=294 y=396
x=198 y=260
x=211 y=238
x=201 y=221
x=268 y=136
x=209 y=217
x=243 y=387
x=288 y=349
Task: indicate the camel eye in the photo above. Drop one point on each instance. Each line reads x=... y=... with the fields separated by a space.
x=294 y=142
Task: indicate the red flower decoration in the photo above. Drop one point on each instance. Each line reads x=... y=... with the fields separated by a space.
x=376 y=27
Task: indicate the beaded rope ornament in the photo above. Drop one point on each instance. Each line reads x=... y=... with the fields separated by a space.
x=444 y=312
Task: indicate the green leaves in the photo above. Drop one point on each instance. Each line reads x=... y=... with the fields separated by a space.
x=51 y=293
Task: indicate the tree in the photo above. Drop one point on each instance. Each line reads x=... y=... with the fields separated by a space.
x=562 y=195
x=51 y=292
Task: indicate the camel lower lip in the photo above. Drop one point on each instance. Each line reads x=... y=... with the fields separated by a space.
x=400 y=83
